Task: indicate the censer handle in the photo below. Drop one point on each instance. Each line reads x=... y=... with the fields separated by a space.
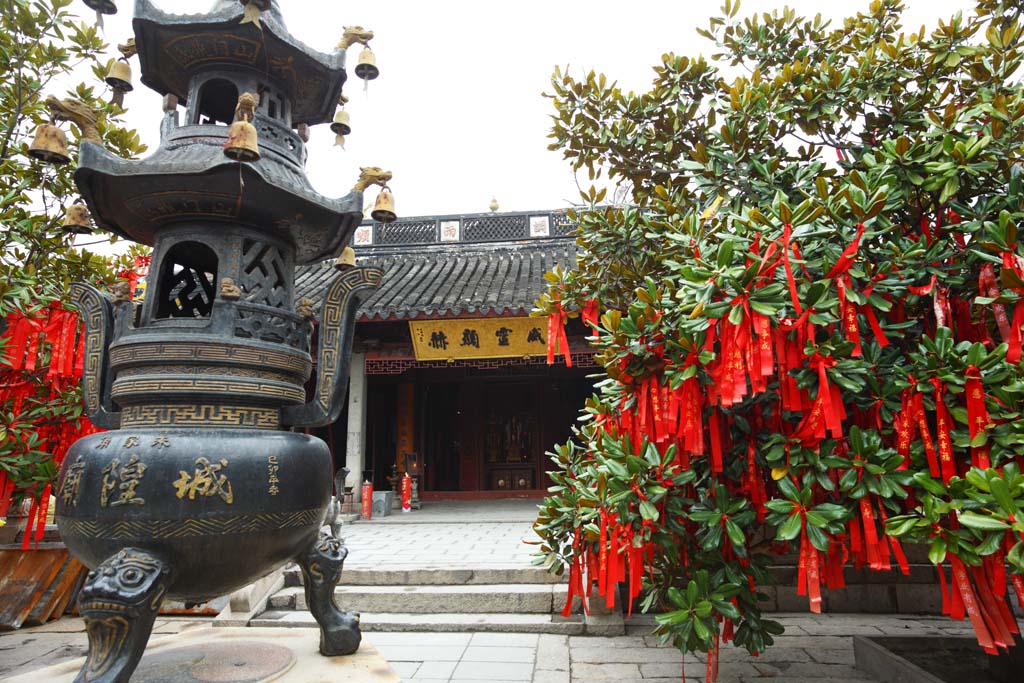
x=96 y=310
x=337 y=328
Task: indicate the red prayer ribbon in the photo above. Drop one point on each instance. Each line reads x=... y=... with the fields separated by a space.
x=943 y=425
x=557 y=338
x=977 y=415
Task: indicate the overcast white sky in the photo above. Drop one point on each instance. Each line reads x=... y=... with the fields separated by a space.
x=457 y=113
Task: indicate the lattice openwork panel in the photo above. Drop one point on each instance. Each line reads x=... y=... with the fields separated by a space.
x=263 y=280
x=189 y=295
x=561 y=225
x=265 y=325
x=495 y=228
x=186 y=281
x=405 y=232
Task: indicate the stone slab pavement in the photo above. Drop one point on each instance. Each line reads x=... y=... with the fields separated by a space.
x=815 y=649
x=445 y=535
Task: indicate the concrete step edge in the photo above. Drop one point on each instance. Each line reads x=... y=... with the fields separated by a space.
x=447 y=622
x=465 y=599
x=437 y=576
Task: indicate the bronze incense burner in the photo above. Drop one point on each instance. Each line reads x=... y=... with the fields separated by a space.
x=200 y=487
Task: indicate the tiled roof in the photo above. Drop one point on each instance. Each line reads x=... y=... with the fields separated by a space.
x=442 y=280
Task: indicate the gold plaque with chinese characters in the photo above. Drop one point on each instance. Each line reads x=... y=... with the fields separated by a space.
x=478 y=338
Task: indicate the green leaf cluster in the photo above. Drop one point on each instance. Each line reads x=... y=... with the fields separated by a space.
x=912 y=140
x=44 y=48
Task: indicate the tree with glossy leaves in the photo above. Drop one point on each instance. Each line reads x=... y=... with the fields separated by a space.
x=809 y=320
x=44 y=49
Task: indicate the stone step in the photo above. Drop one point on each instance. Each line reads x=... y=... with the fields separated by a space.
x=524 y=598
x=784 y=573
x=435 y=576
x=468 y=623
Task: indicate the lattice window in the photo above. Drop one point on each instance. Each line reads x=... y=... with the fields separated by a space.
x=263 y=279
x=495 y=228
x=406 y=232
x=185 y=285
x=561 y=225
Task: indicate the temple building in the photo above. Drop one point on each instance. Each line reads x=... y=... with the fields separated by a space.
x=449 y=375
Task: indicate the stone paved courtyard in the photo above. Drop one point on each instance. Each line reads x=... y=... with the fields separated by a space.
x=447 y=545
x=815 y=648
x=450 y=534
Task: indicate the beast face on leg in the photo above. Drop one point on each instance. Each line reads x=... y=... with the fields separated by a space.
x=119 y=602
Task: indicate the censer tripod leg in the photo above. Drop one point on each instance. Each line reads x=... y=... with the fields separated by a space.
x=120 y=601
x=321 y=569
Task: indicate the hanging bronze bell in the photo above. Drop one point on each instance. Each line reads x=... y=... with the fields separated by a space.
x=102 y=6
x=77 y=220
x=341 y=123
x=367 y=69
x=119 y=76
x=242 y=144
x=346 y=260
x=50 y=145
x=384 y=207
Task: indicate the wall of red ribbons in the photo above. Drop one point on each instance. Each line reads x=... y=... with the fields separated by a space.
x=41 y=359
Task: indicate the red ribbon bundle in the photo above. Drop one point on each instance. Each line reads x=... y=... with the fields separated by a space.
x=993 y=626
x=24 y=343
x=808 y=567
x=589 y=314
x=987 y=287
x=620 y=559
x=827 y=412
x=1012 y=262
x=557 y=338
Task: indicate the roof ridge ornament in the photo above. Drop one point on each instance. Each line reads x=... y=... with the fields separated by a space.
x=78 y=113
x=254 y=10
x=371 y=175
x=353 y=35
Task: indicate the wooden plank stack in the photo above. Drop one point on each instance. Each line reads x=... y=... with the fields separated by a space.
x=36 y=586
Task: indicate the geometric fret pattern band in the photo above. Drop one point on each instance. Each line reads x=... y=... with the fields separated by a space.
x=200 y=415
x=180 y=528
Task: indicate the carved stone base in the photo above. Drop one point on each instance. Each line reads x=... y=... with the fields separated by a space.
x=321 y=567
x=119 y=602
